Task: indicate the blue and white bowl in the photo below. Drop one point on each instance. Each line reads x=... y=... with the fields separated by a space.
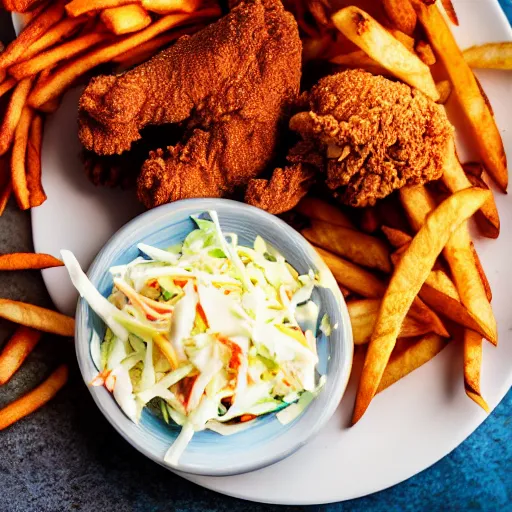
x=267 y=441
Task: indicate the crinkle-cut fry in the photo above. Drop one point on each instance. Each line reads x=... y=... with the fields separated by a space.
x=31 y=33
x=379 y=44
x=444 y=87
x=168 y=6
x=18 y=159
x=59 y=32
x=352 y=276
x=50 y=58
x=16 y=350
x=13 y=114
x=358 y=247
x=363 y=314
x=36 y=191
x=125 y=19
x=78 y=7
x=406 y=282
x=480 y=121
x=28 y=261
x=490 y=56
x=472 y=367
x=34 y=399
x=36 y=317
x=65 y=76
x=413 y=355
x=319 y=209
x=455 y=179
x=401 y=14
x=418 y=204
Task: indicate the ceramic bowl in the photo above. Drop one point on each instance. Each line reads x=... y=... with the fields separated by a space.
x=267 y=441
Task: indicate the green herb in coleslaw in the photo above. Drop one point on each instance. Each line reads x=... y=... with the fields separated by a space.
x=211 y=334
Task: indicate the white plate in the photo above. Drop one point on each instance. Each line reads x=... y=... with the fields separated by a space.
x=408 y=427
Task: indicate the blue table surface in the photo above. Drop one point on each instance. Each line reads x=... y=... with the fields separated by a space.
x=476 y=476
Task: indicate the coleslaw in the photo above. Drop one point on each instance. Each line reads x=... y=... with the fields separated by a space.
x=209 y=333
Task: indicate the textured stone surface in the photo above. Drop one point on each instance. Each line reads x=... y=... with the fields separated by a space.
x=67 y=457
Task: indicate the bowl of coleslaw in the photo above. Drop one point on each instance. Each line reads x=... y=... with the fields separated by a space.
x=212 y=336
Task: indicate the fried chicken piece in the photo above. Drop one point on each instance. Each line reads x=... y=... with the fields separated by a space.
x=283 y=191
x=374 y=135
x=231 y=84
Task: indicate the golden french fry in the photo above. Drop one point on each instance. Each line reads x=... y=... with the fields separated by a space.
x=490 y=55
x=450 y=11
x=321 y=210
x=27 y=261
x=31 y=33
x=444 y=87
x=35 y=399
x=65 y=76
x=359 y=59
x=405 y=39
x=78 y=7
x=125 y=19
x=363 y=314
x=18 y=159
x=36 y=192
x=167 y=6
x=7 y=85
x=370 y=221
x=60 y=31
x=472 y=366
x=439 y=292
x=425 y=53
x=5 y=194
x=481 y=272
x=455 y=179
x=418 y=204
x=13 y=114
x=353 y=277
x=36 y=317
x=379 y=44
x=358 y=247
x=396 y=237
x=406 y=282
x=51 y=57
x=401 y=14
x=412 y=355
x=487 y=138
x=16 y=350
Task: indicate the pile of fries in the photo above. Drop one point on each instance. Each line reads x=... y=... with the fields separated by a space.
x=61 y=42
x=32 y=322
x=411 y=276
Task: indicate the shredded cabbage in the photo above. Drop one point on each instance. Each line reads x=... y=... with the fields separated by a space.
x=210 y=334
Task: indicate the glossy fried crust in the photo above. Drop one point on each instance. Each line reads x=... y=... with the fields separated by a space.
x=230 y=84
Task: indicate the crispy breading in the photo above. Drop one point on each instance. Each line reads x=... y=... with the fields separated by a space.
x=374 y=135
x=230 y=84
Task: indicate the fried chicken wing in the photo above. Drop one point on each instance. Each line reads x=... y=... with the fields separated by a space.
x=231 y=85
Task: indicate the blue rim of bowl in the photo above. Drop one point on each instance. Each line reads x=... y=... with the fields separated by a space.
x=102 y=397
